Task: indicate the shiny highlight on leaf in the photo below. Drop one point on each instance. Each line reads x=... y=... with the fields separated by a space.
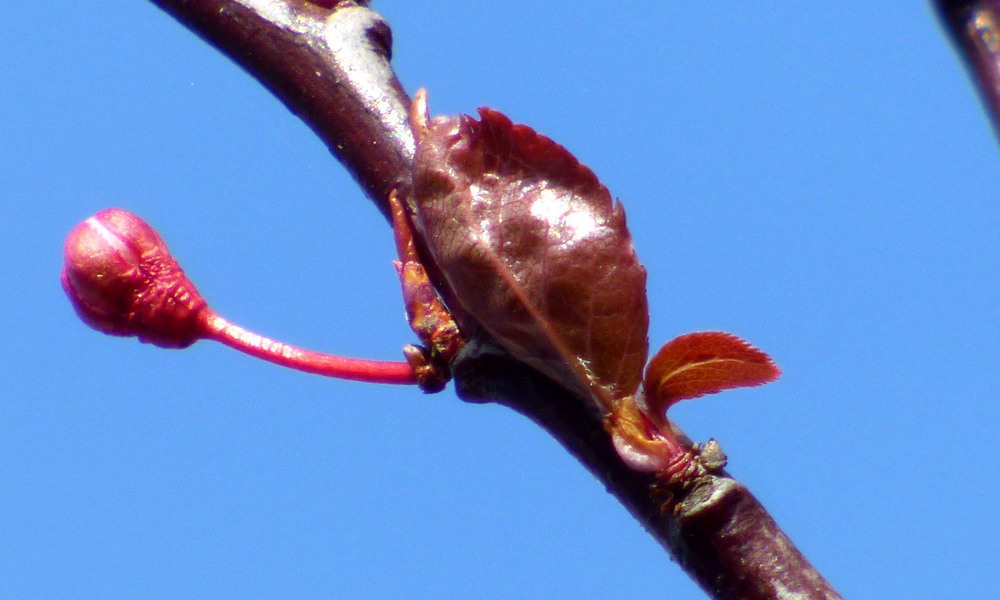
x=534 y=249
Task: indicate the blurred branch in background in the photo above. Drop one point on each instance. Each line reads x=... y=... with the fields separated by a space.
x=974 y=27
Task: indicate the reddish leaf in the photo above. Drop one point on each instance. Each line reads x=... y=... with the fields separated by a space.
x=696 y=364
x=534 y=250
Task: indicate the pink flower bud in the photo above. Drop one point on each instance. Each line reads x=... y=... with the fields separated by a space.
x=122 y=280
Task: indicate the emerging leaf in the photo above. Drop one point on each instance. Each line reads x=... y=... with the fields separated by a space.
x=696 y=364
x=535 y=251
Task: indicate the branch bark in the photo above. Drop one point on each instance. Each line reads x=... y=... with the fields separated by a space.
x=333 y=75
x=330 y=66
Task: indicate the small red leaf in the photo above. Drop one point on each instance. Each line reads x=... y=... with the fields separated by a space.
x=702 y=363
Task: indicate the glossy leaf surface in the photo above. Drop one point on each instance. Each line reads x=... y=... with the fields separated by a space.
x=535 y=250
x=702 y=363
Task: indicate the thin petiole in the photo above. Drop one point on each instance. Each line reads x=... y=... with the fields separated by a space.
x=372 y=371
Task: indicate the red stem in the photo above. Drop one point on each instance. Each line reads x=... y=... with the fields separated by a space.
x=356 y=369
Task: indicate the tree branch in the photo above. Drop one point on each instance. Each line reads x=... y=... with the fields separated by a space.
x=331 y=67
x=974 y=26
x=333 y=75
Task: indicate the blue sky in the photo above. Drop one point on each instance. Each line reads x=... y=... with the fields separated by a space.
x=819 y=180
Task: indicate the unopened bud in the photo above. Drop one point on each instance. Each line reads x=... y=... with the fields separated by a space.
x=122 y=280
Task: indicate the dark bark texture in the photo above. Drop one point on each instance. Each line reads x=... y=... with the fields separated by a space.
x=330 y=66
